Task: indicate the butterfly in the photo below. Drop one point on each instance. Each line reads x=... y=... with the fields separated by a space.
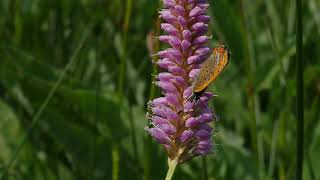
x=210 y=70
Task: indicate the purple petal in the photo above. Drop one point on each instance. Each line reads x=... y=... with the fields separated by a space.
x=165 y=38
x=168 y=128
x=176 y=70
x=182 y=21
x=165 y=76
x=159 y=135
x=192 y=122
x=203 y=134
x=168 y=17
x=202 y=50
x=203 y=149
x=165 y=63
x=187 y=35
x=180 y=10
x=172 y=99
x=186 y=135
x=200 y=40
x=188 y=107
x=170 y=29
x=193 y=59
x=193 y=73
x=205 y=127
x=172 y=40
x=170 y=53
x=175 y=42
x=207 y=117
x=159 y=111
x=206 y=96
x=169 y=3
x=167 y=86
x=172 y=116
x=200 y=28
x=158 y=102
x=205 y=145
x=203 y=6
x=180 y=81
x=203 y=18
x=185 y=45
x=196 y=11
x=165 y=54
x=159 y=120
x=176 y=54
x=187 y=93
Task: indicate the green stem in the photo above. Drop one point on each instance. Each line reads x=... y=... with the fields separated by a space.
x=251 y=92
x=122 y=69
x=96 y=120
x=115 y=162
x=205 y=168
x=172 y=166
x=121 y=93
x=299 y=89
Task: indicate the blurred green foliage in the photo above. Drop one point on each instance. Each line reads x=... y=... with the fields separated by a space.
x=92 y=125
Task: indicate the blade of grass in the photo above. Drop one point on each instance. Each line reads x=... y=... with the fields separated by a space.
x=121 y=81
x=38 y=114
x=123 y=57
x=251 y=92
x=299 y=90
x=273 y=149
x=311 y=170
x=96 y=120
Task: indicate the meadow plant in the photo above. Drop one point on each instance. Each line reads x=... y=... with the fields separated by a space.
x=177 y=122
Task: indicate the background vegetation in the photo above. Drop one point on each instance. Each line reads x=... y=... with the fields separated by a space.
x=75 y=76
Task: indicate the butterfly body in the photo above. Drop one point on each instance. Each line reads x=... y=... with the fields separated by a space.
x=210 y=70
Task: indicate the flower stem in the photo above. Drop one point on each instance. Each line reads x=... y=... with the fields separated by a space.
x=172 y=166
x=299 y=90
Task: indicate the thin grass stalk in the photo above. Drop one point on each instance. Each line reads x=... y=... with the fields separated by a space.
x=123 y=57
x=115 y=161
x=133 y=135
x=121 y=81
x=311 y=170
x=38 y=114
x=132 y=123
x=96 y=120
x=299 y=90
x=205 y=168
x=250 y=89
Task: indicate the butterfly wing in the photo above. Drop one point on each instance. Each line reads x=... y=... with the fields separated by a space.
x=211 y=68
x=203 y=77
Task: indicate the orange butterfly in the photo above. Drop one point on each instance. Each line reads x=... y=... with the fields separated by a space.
x=210 y=70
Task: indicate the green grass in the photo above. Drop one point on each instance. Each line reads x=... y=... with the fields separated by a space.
x=86 y=120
